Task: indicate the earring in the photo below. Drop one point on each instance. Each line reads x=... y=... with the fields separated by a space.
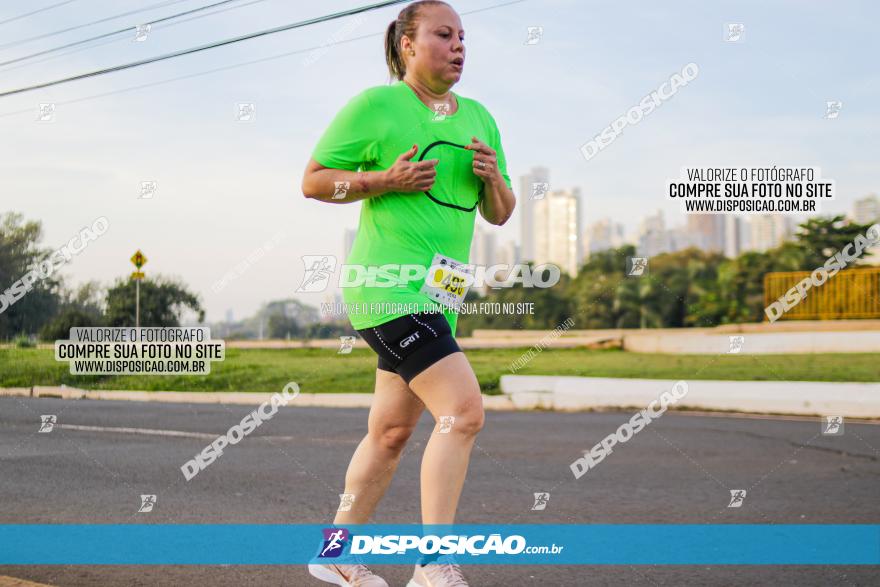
x=412 y=53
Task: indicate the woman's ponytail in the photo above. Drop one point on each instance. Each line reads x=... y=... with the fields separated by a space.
x=406 y=24
x=396 y=67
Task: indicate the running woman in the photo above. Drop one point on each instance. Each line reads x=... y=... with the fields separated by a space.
x=423 y=160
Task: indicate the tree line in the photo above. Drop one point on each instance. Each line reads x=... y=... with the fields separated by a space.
x=683 y=289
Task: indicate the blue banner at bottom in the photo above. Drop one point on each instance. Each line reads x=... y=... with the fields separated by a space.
x=488 y=544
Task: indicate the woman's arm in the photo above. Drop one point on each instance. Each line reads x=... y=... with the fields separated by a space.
x=498 y=200
x=319 y=182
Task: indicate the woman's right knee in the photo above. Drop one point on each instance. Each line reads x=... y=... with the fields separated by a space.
x=392 y=437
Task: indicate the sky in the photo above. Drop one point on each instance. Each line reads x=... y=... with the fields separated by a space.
x=226 y=188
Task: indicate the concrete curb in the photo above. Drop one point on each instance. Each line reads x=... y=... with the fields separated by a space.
x=536 y=392
x=760 y=343
x=324 y=400
x=853 y=400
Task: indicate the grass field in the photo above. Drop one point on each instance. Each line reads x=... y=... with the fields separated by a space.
x=323 y=371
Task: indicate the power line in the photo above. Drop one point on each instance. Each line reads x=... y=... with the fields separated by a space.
x=107 y=42
x=88 y=24
x=236 y=65
x=200 y=73
x=182 y=52
x=19 y=17
x=106 y=35
x=59 y=55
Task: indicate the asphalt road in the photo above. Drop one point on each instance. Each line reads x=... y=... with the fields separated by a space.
x=291 y=469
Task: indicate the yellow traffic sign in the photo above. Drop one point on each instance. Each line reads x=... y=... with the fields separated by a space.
x=139 y=259
x=137 y=275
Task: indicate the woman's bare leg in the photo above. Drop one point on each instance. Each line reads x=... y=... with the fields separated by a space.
x=394 y=413
x=448 y=388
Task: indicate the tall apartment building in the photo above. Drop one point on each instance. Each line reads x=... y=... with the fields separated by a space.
x=866 y=210
x=653 y=237
x=557 y=230
x=768 y=231
x=525 y=202
x=603 y=235
x=707 y=231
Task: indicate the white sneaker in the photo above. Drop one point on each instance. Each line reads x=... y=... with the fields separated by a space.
x=437 y=575
x=347 y=575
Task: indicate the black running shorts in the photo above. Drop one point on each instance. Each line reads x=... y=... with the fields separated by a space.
x=410 y=344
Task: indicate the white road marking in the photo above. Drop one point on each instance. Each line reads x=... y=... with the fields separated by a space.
x=185 y=434
x=151 y=431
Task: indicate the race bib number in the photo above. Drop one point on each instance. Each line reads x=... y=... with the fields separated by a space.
x=447 y=281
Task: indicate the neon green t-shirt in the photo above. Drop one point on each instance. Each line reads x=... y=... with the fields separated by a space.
x=399 y=228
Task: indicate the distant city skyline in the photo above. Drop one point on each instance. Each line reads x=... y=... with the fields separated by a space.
x=556 y=221
x=570 y=246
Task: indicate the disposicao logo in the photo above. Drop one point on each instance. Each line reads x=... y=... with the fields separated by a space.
x=334 y=542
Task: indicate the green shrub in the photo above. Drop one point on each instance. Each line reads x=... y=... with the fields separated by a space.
x=23 y=341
